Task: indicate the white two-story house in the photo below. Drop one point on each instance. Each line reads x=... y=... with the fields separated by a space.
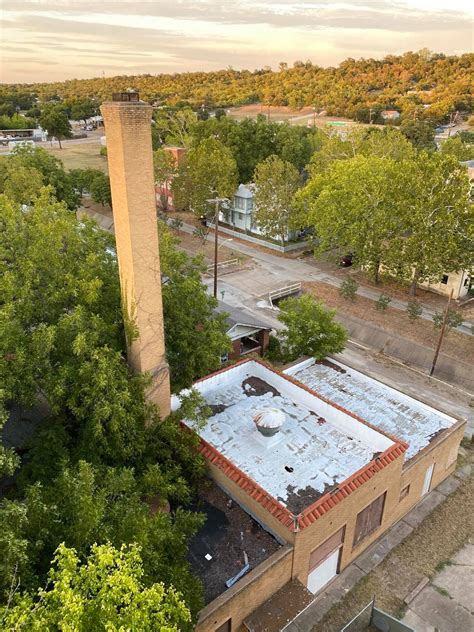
x=240 y=213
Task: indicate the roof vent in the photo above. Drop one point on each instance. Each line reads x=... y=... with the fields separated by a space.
x=269 y=421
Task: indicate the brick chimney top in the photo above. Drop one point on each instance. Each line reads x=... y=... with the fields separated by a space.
x=125 y=97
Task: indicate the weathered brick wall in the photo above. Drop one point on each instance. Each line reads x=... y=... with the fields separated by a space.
x=130 y=159
x=345 y=514
x=252 y=590
x=413 y=473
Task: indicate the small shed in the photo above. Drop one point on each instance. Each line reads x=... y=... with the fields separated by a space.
x=248 y=333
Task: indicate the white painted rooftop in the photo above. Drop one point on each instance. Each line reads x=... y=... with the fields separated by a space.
x=384 y=407
x=317 y=447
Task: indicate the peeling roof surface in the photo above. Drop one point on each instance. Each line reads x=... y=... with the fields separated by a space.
x=384 y=407
x=318 y=446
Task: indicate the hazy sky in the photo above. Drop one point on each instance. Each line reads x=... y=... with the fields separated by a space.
x=46 y=40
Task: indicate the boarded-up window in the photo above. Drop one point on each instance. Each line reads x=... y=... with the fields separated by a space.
x=404 y=493
x=225 y=627
x=369 y=519
x=326 y=548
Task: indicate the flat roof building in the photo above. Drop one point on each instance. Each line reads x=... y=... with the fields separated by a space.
x=324 y=459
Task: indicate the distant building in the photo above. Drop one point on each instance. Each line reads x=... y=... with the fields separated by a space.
x=240 y=213
x=390 y=115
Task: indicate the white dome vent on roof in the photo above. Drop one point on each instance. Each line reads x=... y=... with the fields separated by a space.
x=269 y=421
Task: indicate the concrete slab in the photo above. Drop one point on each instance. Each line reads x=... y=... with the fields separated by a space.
x=424 y=508
x=439 y=611
x=465 y=555
x=458 y=581
x=449 y=485
x=417 y=623
x=371 y=558
x=464 y=472
x=349 y=577
x=378 y=551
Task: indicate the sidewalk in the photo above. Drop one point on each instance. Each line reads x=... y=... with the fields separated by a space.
x=445 y=603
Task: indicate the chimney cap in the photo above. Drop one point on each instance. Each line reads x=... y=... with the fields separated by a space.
x=128 y=96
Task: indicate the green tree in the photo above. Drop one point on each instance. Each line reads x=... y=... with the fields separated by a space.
x=174 y=126
x=20 y=183
x=453 y=320
x=309 y=329
x=354 y=206
x=276 y=183
x=105 y=592
x=209 y=171
x=99 y=189
x=456 y=147
x=348 y=289
x=382 y=302
x=55 y=121
x=197 y=339
x=414 y=310
x=37 y=159
x=82 y=109
x=437 y=220
x=419 y=132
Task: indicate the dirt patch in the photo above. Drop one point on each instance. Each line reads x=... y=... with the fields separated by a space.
x=227 y=533
x=256 y=387
x=217 y=408
x=455 y=344
x=430 y=545
x=331 y=365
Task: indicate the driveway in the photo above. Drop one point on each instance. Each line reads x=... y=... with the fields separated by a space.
x=446 y=604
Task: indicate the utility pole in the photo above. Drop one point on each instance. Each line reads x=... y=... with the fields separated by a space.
x=442 y=332
x=217 y=202
x=371 y=111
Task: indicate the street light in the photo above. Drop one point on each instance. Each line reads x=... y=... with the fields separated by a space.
x=217 y=201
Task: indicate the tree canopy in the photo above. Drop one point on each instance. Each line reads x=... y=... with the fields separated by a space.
x=276 y=182
x=405 y=82
x=309 y=329
x=209 y=171
x=55 y=121
x=104 y=592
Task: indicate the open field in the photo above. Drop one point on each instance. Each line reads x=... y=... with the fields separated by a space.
x=80 y=156
x=305 y=116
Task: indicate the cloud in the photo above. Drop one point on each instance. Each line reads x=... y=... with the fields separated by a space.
x=164 y=36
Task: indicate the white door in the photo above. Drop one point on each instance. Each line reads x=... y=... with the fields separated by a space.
x=320 y=575
x=427 y=481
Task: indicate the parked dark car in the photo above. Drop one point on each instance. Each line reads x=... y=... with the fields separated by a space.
x=347 y=260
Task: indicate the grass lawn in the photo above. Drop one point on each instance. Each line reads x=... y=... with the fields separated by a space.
x=422 y=554
x=80 y=156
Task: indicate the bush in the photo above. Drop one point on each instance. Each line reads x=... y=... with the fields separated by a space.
x=414 y=310
x=103 y=151
x=349 y=289
x=382 y=302
x=454 y=319
x=273 y=352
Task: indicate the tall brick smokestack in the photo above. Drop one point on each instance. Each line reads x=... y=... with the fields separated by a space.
x=129 y=152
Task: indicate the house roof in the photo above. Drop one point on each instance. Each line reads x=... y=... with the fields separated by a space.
x=391 y=411
x=244 y=191
x=237 y=316
x=321 y=455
